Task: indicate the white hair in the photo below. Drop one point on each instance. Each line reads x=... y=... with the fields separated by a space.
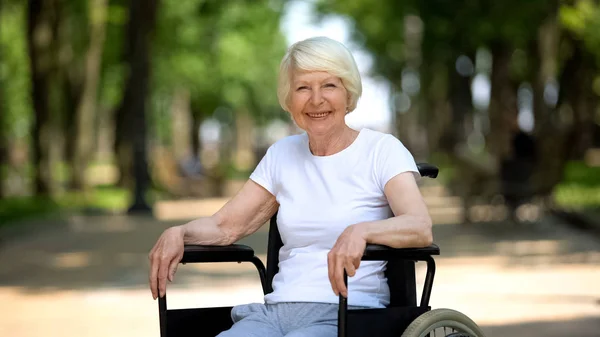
x=319 y=54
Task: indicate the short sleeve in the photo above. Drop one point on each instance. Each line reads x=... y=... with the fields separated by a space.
x=392 y=159
x=264 y=173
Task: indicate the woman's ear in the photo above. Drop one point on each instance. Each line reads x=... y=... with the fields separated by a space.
x=348 y=104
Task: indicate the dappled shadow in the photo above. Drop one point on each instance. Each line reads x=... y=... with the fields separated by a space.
x=547 y=241
x=79 y=252
x=91 y=252
x=580 y=327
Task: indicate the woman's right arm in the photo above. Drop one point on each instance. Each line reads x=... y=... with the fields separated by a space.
x=243 y=215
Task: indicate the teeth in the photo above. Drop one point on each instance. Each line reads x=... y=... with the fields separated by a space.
x=318 y=115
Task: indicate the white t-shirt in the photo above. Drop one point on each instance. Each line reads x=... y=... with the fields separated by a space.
x=319 y=196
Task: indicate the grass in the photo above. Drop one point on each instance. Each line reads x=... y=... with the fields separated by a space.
x=580 y=188
x=104 y=198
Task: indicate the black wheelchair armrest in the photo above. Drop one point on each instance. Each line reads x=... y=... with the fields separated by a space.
x=428 y=170
x=231 y=253
x=375 y=252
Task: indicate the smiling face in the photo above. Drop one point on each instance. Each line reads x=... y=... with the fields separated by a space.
x=318 y=102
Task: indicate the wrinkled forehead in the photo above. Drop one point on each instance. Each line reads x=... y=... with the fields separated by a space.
x=312 y=76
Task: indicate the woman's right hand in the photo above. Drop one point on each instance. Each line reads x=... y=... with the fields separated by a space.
x=164 y=259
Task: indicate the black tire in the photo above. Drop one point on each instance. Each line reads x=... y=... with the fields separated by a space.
x=442 y=318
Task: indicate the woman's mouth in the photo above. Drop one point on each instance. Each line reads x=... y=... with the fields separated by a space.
x=318 y=114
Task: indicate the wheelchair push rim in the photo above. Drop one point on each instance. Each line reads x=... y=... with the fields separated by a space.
x=443 y=323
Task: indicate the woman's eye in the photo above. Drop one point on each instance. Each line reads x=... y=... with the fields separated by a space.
x=302 y=88
x=329 y=85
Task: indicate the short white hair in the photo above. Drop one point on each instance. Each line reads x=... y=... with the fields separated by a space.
x=319 y=54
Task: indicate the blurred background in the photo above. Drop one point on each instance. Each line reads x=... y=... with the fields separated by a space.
x=119 y=118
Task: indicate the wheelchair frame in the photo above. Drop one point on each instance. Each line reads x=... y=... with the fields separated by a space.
x=389 y=321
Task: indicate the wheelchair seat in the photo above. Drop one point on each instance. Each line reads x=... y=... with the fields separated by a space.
x=402 y=317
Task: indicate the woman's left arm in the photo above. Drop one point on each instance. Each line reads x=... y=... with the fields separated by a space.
x=411 y=225
x=409 y=228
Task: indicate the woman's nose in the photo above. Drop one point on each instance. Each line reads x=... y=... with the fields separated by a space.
x=316 y=97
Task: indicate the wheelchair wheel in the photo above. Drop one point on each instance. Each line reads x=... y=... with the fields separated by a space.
x=443 y=323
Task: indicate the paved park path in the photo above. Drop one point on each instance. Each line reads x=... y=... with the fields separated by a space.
x=86 y=276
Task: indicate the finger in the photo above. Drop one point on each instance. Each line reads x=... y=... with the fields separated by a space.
x=350 y=271
x=153 y=278
x=357 y=261
x=173 y=269
x=339 y=276
x=331 y=271
x=162 y=277
x=350 y=268
x=151 y=253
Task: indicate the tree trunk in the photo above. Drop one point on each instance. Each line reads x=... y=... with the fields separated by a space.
x=408 y=124
x=72 y=93
x=565 y=132
x=131 y=118
x=409 y=130
x=503 y=103
x=85 y=129
x=123 y=147
x=42 y=32
x=461 y=103
x=3 y=145
x=434 y=103
x=580 y=136
x=550 y=132
x=4 y=162
x=197 y=121
x=243 y=155
x=181 y=125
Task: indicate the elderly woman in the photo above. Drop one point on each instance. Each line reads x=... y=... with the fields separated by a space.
x=336 y=189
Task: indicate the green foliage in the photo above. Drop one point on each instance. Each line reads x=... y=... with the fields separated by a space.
x=108 y=199
x=580 y=187
x=22 y=208
x=583 y=19
x=226 y=53
x=378 y=26
x=577 y=172
x=575 y=196
x=15 y=90
x=112 y=79
x=449 y=27
x=101 y=199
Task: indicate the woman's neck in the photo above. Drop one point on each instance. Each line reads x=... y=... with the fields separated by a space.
x=329 y=144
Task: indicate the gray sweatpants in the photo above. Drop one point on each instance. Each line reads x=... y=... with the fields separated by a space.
x=294 y=319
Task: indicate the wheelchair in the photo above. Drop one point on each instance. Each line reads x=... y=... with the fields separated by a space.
x=401 y=318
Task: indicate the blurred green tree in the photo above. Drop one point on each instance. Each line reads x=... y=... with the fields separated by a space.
x=213 y=57
x=15 y=104
x=526 y=42
x=72 y=74
x=132 y=112
x=43 y=39
x=83 y=124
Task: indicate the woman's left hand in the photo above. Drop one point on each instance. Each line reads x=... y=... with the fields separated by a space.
x=345 y=254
